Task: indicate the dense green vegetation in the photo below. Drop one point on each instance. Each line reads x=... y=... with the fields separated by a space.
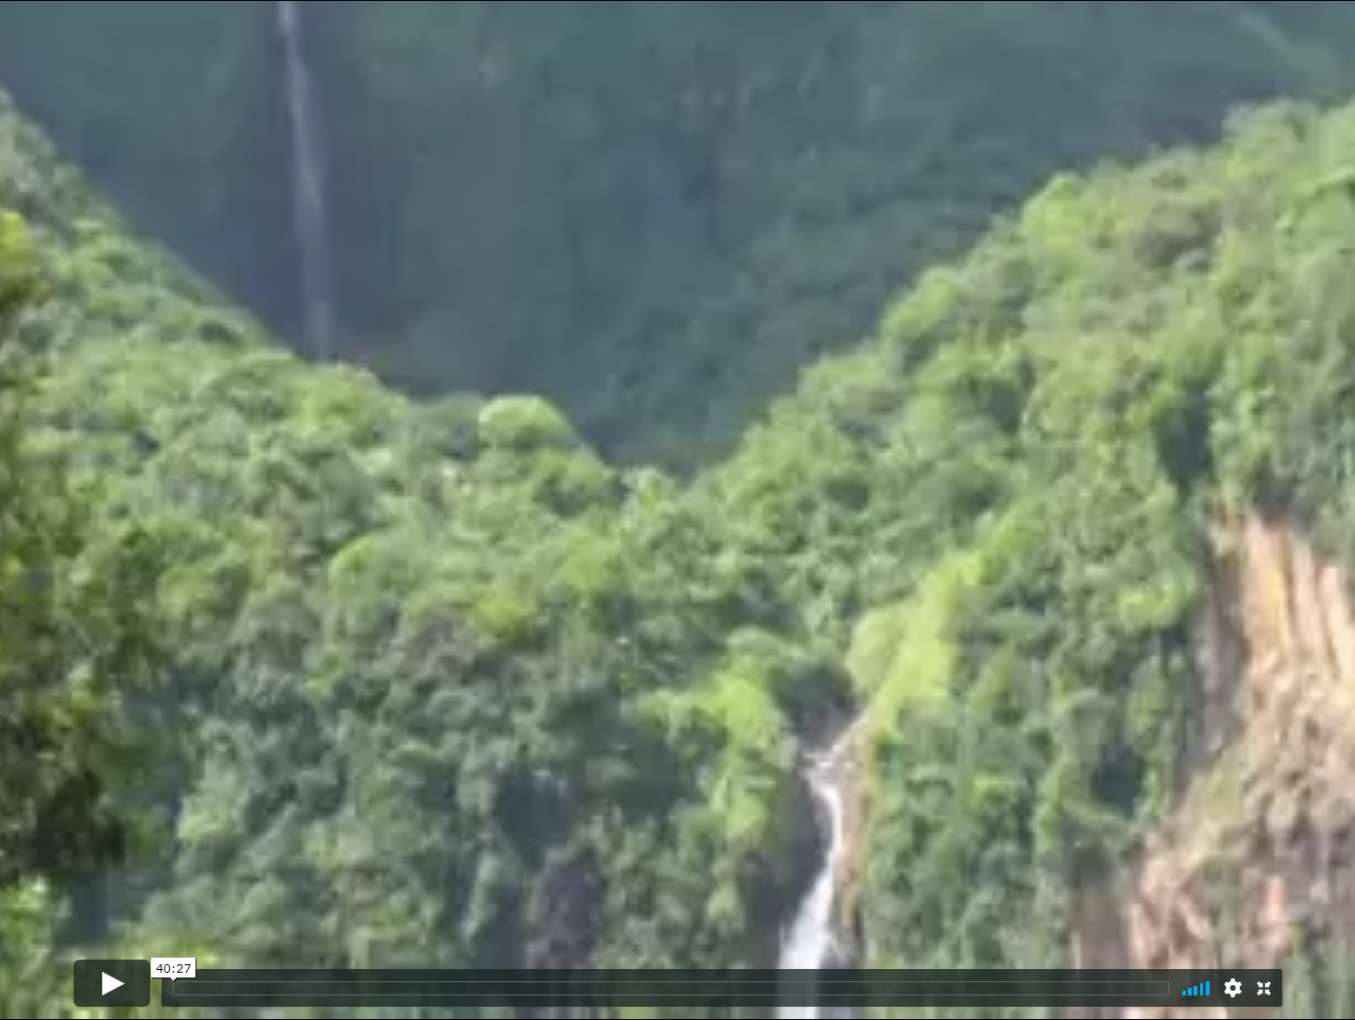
x=654 y=214
x=78 y=653
x=435 y=684
x=452 y=691
x=1014 y=481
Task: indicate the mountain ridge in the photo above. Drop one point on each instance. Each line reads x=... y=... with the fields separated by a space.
x=444 y=645
x=653 y=215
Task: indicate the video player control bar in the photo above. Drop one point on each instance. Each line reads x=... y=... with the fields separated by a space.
x=705 y=989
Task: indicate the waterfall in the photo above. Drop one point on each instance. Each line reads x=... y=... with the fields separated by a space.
x=809 y=943
x=308 y=183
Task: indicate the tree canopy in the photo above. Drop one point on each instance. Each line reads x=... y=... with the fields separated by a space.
x=300 y=670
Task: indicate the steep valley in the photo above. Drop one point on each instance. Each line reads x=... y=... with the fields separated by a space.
x=350 y=672
x=655 y=215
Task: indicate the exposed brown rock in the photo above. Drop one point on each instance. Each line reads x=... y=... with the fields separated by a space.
x=849 y=775
x=1266 y=791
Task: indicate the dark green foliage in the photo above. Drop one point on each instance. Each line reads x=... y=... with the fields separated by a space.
x=76 y=643
x=653 y=213
x=1035 y=446
x=77 y=652
x=453 y=690
x=413 y=716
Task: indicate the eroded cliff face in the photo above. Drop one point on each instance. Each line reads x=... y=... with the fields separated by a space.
x=1258 y=848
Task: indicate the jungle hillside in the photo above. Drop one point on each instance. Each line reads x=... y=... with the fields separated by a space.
x=702 y=375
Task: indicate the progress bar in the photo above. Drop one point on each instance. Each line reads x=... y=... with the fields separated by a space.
x=710 y=988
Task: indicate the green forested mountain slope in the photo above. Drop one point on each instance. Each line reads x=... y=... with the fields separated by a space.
x=653 y=213
x=107 y=282
x=452 y=675
x=448 y=689
x=451 y=690
x=1008 y=494
x=79 y=650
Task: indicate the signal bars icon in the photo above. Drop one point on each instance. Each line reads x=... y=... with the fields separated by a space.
x=1200 y=989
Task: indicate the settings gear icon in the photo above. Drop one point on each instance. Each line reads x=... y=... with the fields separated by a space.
x=1232 y=989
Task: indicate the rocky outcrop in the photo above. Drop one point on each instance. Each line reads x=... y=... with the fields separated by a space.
x=1258 y=846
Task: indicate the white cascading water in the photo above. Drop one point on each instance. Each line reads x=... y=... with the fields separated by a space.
x=308 y=183
x=810 y=940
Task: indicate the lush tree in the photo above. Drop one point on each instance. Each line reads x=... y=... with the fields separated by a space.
x=452 y=689
x=78 y=656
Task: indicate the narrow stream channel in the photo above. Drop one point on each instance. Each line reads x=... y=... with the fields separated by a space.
x=810 y=942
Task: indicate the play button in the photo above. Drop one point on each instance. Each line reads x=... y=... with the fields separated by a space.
x=112 y=983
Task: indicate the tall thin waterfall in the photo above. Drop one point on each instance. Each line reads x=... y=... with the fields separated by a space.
x=309 y=221
x=809 y=942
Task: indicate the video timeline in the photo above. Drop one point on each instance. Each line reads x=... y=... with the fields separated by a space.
x=855 y=989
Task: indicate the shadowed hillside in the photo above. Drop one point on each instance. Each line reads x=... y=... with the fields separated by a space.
x=655 y=214
x=435 y=684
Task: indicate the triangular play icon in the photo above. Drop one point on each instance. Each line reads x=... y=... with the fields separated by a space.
x=110 y=983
